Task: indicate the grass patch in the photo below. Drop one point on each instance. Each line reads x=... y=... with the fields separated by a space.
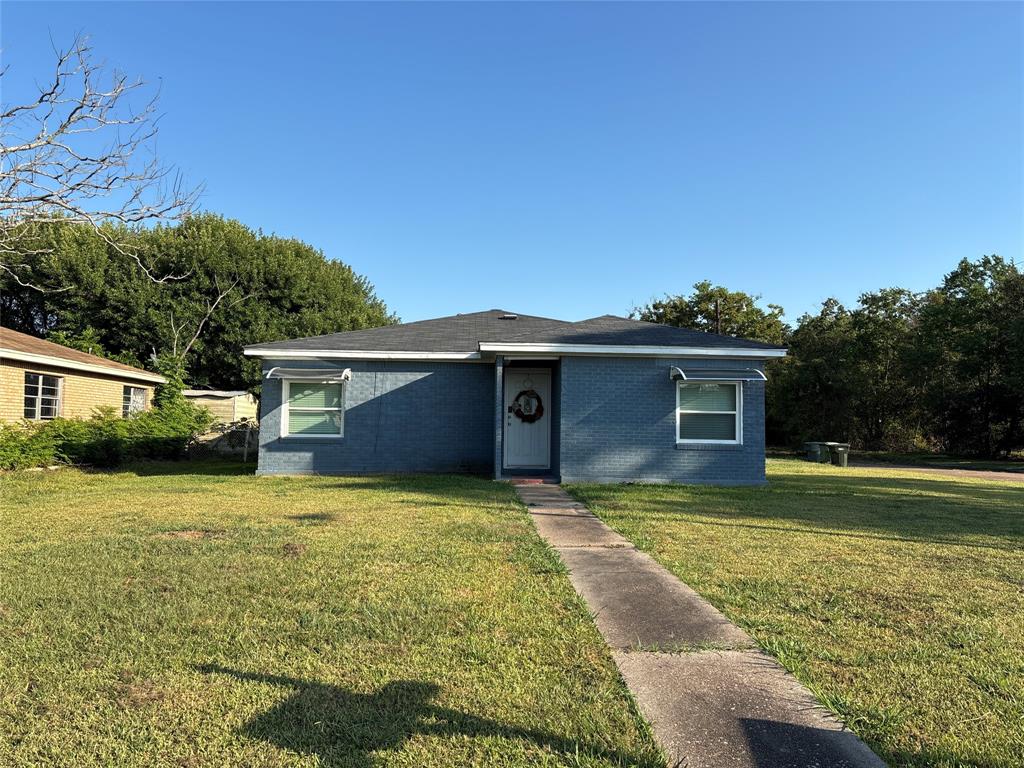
x=191 y=614
x=898 y=597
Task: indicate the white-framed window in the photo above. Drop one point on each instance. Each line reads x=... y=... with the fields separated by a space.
x=133 y=401
x=42 y=396
x=312 y=409
x=709 y=412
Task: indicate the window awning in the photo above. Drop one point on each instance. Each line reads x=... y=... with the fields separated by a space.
x=716 y=374
x=322 y=375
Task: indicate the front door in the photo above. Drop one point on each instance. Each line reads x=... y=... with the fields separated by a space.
x=527 y=418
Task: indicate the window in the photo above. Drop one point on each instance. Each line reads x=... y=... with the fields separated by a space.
x=133 y=401
x=42 y=396
x=708 y=412
x=312 y=409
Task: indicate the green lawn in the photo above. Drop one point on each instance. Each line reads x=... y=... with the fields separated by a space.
x=196 y=615
x=898 y=597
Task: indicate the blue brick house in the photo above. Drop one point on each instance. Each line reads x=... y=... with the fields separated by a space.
x=607 y=399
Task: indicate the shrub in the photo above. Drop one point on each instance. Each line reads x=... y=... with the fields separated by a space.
x=25 y=445
x=105 y=440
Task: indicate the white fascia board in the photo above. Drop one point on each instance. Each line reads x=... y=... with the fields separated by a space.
x=74 y=365
x=354 y=354
x=630 y=351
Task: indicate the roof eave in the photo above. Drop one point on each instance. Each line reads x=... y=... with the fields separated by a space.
x=53 y=361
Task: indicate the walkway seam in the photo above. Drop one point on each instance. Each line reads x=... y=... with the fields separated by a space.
x=714 y=700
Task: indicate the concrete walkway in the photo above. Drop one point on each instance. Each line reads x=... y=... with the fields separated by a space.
x=713 y=699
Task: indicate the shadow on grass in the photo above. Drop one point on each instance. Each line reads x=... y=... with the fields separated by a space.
x=203 y=467
x=313 y=518
x=343 y=728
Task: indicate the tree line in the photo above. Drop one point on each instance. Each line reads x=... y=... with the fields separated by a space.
x=232 y=286
x=939 y=370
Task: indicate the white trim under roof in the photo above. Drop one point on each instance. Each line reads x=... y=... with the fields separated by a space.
x=622 y=350
x=355 y=354
x=53 y=361
x=517 y=349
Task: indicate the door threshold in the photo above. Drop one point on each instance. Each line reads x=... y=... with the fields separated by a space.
x=532 y=479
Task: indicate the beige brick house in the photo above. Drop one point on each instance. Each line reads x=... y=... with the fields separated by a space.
x=40 y=380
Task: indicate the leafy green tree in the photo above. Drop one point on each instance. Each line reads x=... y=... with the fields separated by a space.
x=885 y=392
x=89 y=341
x=968 y=356
x=715 y=309
x=239 y=287
x=810 y=394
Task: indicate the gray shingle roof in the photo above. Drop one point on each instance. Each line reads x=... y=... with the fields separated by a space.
x=622 y=331
x=458 y=333
x=463 y=334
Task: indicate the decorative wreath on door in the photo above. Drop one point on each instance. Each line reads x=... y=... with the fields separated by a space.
x=527 y=406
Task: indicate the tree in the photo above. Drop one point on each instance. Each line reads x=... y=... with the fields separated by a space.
x=967 y=354
x=82 y=152
x=89 y=341
x=717 y=310
x=846 y=377
x=810 y=392
x=243 y=287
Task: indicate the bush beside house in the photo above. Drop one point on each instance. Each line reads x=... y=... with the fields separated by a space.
x=105 y=440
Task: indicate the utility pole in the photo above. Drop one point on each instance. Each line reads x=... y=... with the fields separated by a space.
x=718 y=317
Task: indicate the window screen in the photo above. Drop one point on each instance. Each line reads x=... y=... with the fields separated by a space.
x=314 y=409
x=708 y=412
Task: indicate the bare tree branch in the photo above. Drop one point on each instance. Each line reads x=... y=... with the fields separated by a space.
x=77 y=153
x=211 y=307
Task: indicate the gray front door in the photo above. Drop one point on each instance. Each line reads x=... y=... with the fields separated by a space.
x=527 y=418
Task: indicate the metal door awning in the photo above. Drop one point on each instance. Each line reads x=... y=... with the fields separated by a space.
x=321 y=375
x=716 y=374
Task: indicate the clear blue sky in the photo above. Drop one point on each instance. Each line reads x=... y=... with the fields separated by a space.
x=578 y=159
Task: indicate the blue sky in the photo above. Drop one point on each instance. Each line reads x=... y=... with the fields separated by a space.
x=579 y=159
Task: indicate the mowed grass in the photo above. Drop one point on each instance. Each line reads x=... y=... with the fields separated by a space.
x=898 y=597
x=195 y=615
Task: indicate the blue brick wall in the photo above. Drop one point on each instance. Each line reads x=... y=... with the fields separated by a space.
x=399 y=417
x=618 y=424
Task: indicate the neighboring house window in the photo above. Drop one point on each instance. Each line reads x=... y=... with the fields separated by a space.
x=133 y=401
x=42 y=396
x=708 y=412
x=312 y=408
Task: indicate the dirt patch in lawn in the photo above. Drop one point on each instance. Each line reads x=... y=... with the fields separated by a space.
x=292 y=549
x=193 y=534
x=133 y=693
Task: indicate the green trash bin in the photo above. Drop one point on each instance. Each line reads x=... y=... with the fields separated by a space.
x=825 y=454
x=839 y=452
x=813 y=451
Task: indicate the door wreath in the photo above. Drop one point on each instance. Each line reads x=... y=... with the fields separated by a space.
x=527 y=406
